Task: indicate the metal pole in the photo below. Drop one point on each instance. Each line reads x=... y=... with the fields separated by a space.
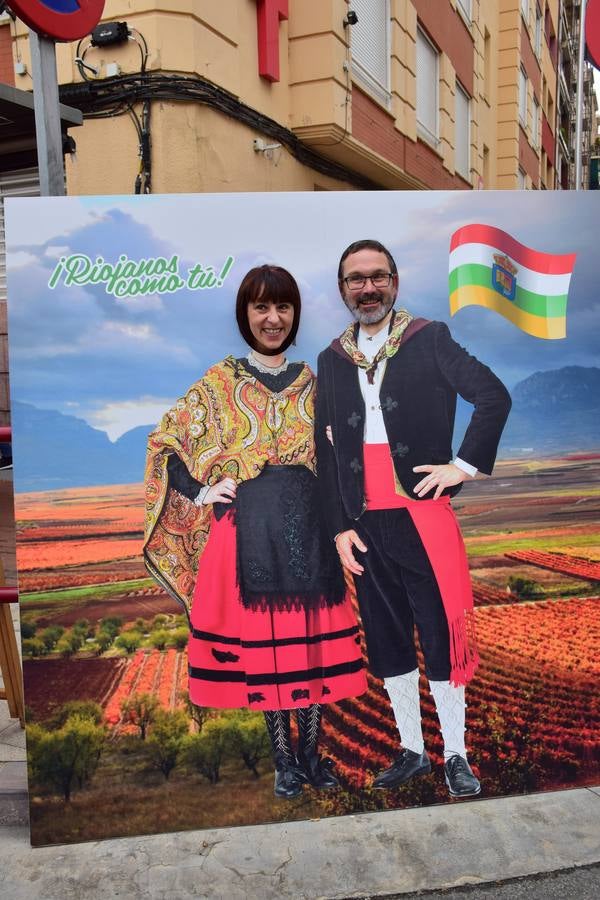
x=47 y=116
x=579 y=119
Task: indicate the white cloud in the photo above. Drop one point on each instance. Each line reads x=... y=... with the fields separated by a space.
x=130 y=330
x=19 y=260
x=141 y=304
x=119 y=417
x=33 y=220
x=55 y=252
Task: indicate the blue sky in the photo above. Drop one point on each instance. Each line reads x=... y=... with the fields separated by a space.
x=121 y=363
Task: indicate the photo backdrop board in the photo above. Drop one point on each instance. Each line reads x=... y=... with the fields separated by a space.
x=116 y=306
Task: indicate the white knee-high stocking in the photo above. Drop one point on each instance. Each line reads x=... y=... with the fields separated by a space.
x=403 y=691
x=450 y=706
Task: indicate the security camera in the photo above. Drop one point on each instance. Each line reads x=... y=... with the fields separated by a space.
x=351 y=18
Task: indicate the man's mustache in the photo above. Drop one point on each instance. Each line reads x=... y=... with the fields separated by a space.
x=370 y=298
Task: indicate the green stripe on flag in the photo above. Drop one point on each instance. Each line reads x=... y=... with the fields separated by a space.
x=536 y=304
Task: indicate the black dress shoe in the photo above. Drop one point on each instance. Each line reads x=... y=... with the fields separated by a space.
x=403 y=769
x=459 y=777
x=318 y=771
x=289 y=779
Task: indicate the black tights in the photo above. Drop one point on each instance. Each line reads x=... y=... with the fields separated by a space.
x=278 y=726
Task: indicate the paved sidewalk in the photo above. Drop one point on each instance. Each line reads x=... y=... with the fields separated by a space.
x=370 y=855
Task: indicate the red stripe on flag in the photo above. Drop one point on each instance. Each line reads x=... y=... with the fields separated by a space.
x=545 y=263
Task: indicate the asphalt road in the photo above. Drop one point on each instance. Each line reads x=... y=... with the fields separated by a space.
x=582 y=883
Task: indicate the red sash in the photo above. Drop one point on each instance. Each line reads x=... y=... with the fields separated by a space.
x=440 y=533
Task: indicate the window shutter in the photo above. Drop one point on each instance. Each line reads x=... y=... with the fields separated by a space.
x=462 y=132
x=370 y=46
x=427 y=89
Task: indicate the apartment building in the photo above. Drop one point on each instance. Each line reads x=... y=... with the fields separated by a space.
x=568 y=63
x=199 y=95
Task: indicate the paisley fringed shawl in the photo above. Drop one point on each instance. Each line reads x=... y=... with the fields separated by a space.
x=227 y=424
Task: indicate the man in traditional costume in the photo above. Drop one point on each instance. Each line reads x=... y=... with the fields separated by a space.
x=386 y=401
x=233 y=529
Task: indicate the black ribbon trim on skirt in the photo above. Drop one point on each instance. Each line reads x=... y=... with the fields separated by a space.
x=346 y=668
x=275 y=642
x=285 y=561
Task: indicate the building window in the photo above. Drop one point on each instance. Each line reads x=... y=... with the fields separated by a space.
x=538 y=31
x=462 y=132
x=370 y=45
x=427 y=88
x=537 y=122
x=523 y=98
x=525 y=10
x=465 y=7
x=521 y=184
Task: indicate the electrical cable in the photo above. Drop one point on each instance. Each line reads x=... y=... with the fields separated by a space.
x=144 y=52
x=105 y=98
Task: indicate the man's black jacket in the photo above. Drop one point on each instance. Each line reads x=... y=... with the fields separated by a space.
x=418 y=401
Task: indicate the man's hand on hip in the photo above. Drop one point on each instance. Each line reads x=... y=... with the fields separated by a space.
x=438 y=477
x=344 y=543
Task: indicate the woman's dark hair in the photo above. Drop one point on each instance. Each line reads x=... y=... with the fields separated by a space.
x=269 y=283
x=366 y=245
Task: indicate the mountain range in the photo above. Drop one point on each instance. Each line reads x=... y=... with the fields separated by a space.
x=553 y=412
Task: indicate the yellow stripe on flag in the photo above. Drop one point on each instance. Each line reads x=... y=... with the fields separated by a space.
x=537 y=326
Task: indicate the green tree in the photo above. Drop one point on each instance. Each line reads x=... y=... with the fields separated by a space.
x=159 y=620
x=179 y=637
x=67 y=757
x=103 y=641
x=248 y=737
x=83 y=627
x=111 y=625
x=128 y=640
x=204 y=752
x=34 y=647
x=160 y=638
x=140 y=710
x=69 y=643
x=28 y=629
x=82 y=709
x=524 y=587
x=166 y=739
x=52 y=635
x=198 y=714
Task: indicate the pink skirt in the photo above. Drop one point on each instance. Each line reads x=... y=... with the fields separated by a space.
x=265 y=660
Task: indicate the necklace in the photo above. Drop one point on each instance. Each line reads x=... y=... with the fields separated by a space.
x=266 y=370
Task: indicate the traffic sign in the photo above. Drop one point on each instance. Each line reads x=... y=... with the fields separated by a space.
x=592 y=32
x=62 y=20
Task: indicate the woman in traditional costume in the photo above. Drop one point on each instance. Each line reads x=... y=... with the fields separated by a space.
x=233 y=526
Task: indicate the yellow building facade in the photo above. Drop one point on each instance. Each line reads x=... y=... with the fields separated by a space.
x=414 y=94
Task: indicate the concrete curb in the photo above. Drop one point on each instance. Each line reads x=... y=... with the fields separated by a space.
x=352 y=856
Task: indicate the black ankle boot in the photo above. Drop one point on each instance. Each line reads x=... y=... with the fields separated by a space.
x=318 y=770
x=289 y=779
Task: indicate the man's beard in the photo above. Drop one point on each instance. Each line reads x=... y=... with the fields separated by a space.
x=370 y=317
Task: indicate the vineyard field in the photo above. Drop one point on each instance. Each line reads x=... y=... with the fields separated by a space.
x=578 y=567
x=533 y=711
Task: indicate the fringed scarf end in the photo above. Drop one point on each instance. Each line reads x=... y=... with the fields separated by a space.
x=464 y=657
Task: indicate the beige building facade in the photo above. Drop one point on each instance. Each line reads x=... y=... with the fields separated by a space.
x=296 y=95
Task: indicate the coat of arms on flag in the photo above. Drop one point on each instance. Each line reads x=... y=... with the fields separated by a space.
x=504 y=276
x=488 y=267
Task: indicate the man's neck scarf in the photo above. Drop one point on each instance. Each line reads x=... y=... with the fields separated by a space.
x=398 y=324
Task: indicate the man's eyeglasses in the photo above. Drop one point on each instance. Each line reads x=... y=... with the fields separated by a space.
x=378 y=280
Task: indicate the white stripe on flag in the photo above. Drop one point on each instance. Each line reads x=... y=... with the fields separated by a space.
x=530 y=280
